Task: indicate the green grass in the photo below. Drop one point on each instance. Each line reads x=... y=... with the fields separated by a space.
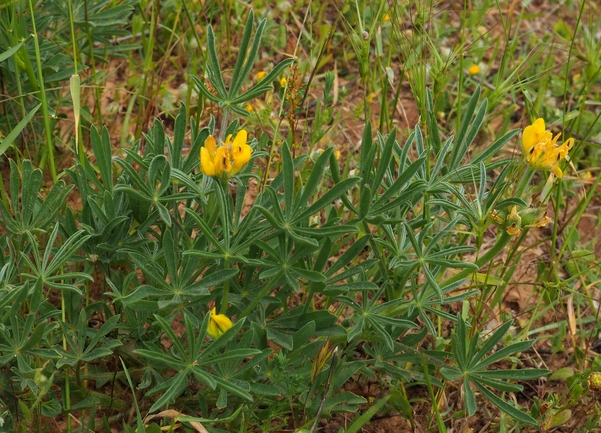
x=385 y=234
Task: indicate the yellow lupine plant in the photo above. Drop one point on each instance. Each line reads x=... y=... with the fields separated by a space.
x=225 y=160
x=218 y=324
x=541 y=149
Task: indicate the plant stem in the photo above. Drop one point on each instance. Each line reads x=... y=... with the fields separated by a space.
x=48 y=153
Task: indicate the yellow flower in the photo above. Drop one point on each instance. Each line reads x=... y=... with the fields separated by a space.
x=225 y=160
x=474 y=69
x=337 y=154
x=541 y=149
x=386 y=17
x=261 y=75
x=218 y=324
x=249 y=108
x=283 y=82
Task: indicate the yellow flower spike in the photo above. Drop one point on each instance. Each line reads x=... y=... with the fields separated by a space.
x=473 y=70
x=261 y=75
x=541 y=149
x=283 y=82
x=226 y=160
x=218 y=324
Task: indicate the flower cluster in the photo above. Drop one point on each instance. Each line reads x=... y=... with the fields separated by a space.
x=516 y=220
x=225 y=160
x=218 y=324
x=541 y=149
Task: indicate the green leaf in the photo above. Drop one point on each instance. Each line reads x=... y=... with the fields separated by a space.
x=492 y=341
x=470 y=399
x=170 y=252
x=213 y=69
x=562 y=373
x=364 y=418
x=521 y=374
x=101 y=146
x=11 y=51
x=315 y=179
x=498 y=144
x=238 y=76
x=204 y=91
x=161 y=357
x=331 y=195
x=506 y=407
x=385 y=157
x=461 y=146
x=14 y=133
x=398 y=184
x=263 y=85
x=504 y=353
x=230 y=355
x=177 y=384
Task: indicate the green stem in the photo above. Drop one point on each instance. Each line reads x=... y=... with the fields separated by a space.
x=226 y=288
x=65 y=347
x=48 y=153
x=223 y=128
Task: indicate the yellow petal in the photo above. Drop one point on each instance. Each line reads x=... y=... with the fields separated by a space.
x=533 y=134
x=222 y=161
x=211 y=145
x=240 y=139
x=218 y=324
x=206 y=162
x=241 y=157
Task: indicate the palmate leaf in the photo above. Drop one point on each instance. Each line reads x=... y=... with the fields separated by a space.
x=472 y=363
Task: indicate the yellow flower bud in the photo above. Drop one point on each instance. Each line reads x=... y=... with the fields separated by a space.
x=283 y=81
x=261 y=75
x=218 y=324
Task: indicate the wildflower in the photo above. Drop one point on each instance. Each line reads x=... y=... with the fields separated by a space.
x=386 y=17
x=261 y=75
x=249 y=108
x=283 y=82
x=218 y=324
x=337 y=154
x=474 y=69
x=541 y=149
x=516 y=220
x=225 y=160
